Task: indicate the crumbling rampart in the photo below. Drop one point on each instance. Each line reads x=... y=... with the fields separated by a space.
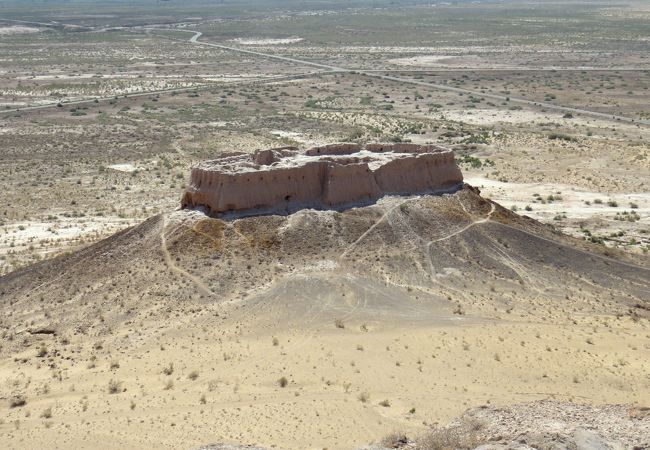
x=332 y=176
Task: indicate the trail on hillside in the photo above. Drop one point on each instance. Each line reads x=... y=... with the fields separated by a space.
x=203 y=288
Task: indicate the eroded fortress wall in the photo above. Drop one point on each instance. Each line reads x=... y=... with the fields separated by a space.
x=332 y=176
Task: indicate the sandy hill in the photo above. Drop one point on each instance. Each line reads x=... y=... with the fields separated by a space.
x=319 y=329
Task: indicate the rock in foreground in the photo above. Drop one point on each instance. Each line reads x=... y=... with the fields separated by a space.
x=537 y=425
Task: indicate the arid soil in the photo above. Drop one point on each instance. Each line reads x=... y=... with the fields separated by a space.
x=127 y=323
x=540 y=424
x=534 y=425
x=316 y=329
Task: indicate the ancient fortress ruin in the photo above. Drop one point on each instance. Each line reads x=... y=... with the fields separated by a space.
x=334 y=176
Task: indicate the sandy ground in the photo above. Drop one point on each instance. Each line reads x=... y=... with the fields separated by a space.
x=577 y=203
x=295 y=136
x=18 y=29
x=492 y=116
x=489 y=117
x=35 y=240
x=336 y=381
x=323 y=356
x=429 y=61
x=574 y=209
x=266 y=41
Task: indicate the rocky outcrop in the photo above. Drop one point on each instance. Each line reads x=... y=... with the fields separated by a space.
x=332 y=176
x=527 y=426
x=536 y=425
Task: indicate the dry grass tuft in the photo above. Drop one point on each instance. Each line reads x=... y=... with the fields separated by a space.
x=465 y=435
x=114 y=387
x=17 y=400
x=364 y=397
x=394 y=440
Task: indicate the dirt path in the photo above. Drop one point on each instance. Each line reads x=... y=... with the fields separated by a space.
x=203 y=288
x=456 y=233
x=508 y=69
x=465 y=228
x=372 y=227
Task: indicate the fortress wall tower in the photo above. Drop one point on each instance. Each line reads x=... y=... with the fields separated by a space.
x=332 y=176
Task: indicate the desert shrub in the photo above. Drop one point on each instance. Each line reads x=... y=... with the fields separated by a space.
x=114 y=386
x=472 y=161
x=169 y=369
x=465 y=435
x=283 y=382
x=480 y=138
x=561 y=137
x=17 y=400
x=394 y=440
x=354 y=135
x=193 y=375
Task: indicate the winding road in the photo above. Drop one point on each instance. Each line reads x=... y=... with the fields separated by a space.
x=328 y=68
x=372 y=74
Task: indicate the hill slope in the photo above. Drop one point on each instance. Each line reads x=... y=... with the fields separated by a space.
x=318 y=329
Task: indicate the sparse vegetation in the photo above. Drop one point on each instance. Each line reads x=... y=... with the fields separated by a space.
x=114 y=387
x=394 y=440
x=178 y=313
x=168 y=370
x=466 y=435
x=17 y=400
